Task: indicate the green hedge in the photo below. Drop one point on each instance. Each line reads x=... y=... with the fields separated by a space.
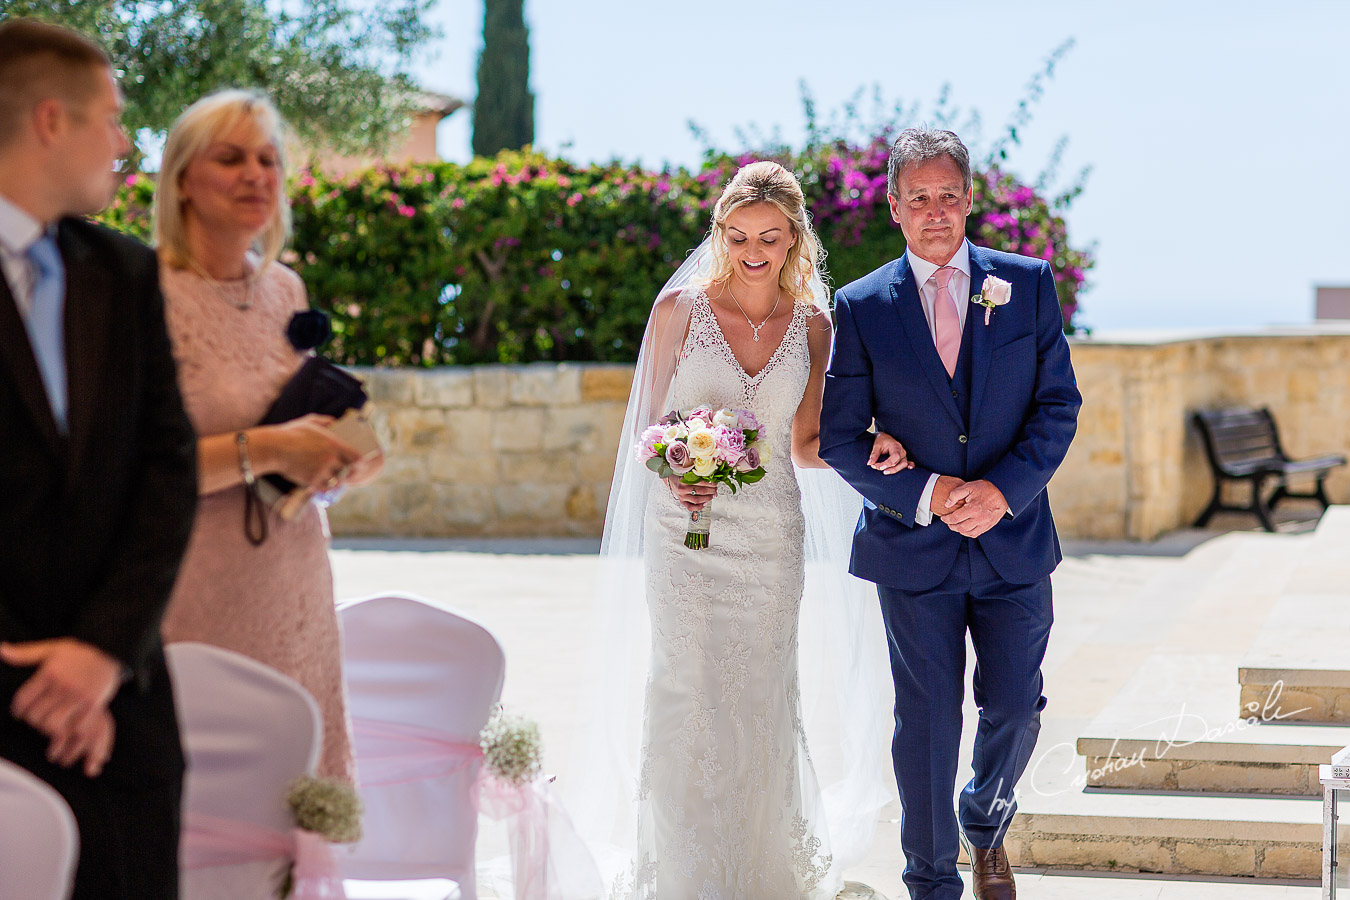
x=525 y=257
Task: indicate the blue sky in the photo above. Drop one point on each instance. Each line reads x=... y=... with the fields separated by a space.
x=1218 y=132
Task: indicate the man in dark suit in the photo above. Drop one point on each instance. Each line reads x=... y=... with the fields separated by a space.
x=97 y=473
x=986 y=404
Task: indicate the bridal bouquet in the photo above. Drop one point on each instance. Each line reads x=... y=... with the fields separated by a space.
x=714 y=446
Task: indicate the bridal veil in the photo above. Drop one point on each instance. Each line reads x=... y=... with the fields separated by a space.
x=845 y=685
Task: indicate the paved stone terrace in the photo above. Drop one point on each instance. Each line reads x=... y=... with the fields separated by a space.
x=535 y=595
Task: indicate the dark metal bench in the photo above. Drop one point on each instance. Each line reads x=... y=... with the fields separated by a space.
x=1244 y=445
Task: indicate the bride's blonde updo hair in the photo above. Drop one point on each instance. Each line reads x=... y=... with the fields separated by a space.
x=768 y=182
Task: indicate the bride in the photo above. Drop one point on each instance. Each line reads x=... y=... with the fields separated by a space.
x=725 y=801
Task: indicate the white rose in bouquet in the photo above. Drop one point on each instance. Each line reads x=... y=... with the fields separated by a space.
x=702 y=442
x=705 y=465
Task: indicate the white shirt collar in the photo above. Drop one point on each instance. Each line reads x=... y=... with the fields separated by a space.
x=923 y=269
x=18 y=229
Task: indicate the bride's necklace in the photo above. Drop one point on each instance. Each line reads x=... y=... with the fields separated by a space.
x=754 y=329
x=223 y=291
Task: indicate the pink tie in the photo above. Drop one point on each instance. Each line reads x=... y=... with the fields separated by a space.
x=946 y=322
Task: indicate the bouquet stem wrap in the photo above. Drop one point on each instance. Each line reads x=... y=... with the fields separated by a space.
x=700 y=524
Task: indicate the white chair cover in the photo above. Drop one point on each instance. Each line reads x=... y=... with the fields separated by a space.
x=248 y=731
x=414 y=667
x=39 y=842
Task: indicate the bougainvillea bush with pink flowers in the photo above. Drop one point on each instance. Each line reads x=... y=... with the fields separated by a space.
x=845 y=188
x=526 y=257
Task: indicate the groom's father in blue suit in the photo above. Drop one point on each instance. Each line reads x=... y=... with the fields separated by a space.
x=963 y=542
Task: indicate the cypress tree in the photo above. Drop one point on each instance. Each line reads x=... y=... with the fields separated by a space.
x=503 y=113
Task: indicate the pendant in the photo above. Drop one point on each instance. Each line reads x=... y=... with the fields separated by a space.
x=755 y=332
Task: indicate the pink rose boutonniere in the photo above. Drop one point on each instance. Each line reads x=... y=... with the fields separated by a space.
x=994 y=292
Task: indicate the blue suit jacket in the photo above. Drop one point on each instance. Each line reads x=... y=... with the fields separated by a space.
x=1023 y=413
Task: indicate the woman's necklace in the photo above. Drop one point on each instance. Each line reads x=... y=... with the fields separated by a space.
x=221 y=289
x=754 y=329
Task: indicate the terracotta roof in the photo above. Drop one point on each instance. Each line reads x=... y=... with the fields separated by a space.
x=429 y=101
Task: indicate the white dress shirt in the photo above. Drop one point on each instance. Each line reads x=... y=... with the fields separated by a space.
x=958 y=289
x=18 y=232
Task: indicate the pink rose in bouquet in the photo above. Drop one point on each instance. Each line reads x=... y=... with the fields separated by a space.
x=678 y=458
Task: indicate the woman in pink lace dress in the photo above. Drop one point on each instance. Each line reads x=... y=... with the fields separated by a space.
x=220 y=220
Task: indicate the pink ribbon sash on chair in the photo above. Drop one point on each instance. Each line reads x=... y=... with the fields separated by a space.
x=212 y=841
x=394 y=753
x=549 y=859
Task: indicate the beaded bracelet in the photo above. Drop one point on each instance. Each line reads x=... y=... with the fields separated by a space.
x=245 y=464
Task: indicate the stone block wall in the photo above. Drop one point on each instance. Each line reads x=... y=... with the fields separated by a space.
x=1137 y=467
x=490 y=451
x=529 y=450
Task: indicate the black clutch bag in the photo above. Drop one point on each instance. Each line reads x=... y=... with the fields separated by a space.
x=318 y=386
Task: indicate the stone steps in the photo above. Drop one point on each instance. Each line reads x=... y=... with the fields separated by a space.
x=1317 y=696
x=1242 y=758
x=1148 y=739
x=1218 y=836
x=1188 y=770
x=1299 y=662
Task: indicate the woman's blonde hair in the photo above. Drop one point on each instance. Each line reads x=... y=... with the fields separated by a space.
x=768 y=182
x=199 y=125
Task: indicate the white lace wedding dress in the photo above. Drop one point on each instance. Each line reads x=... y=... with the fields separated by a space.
x=729 y=807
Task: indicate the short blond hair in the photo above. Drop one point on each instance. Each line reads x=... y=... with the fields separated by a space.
x=199 y=125
x=768 y=182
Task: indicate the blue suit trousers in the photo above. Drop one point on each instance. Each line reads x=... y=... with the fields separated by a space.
x=1009 y=627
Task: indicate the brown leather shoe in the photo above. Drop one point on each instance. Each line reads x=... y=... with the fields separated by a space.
x=991 y=874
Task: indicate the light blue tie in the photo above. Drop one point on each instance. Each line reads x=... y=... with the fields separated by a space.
x=46 y=323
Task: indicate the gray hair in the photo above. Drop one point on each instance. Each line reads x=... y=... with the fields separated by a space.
x=919 y=145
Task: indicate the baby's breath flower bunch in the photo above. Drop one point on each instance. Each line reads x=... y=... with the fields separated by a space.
x=511 y=747
x=327 y=807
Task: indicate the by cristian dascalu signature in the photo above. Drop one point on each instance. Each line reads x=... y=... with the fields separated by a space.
x=1170 y=731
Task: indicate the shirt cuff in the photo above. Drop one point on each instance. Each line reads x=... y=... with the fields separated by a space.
x=924 y=514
